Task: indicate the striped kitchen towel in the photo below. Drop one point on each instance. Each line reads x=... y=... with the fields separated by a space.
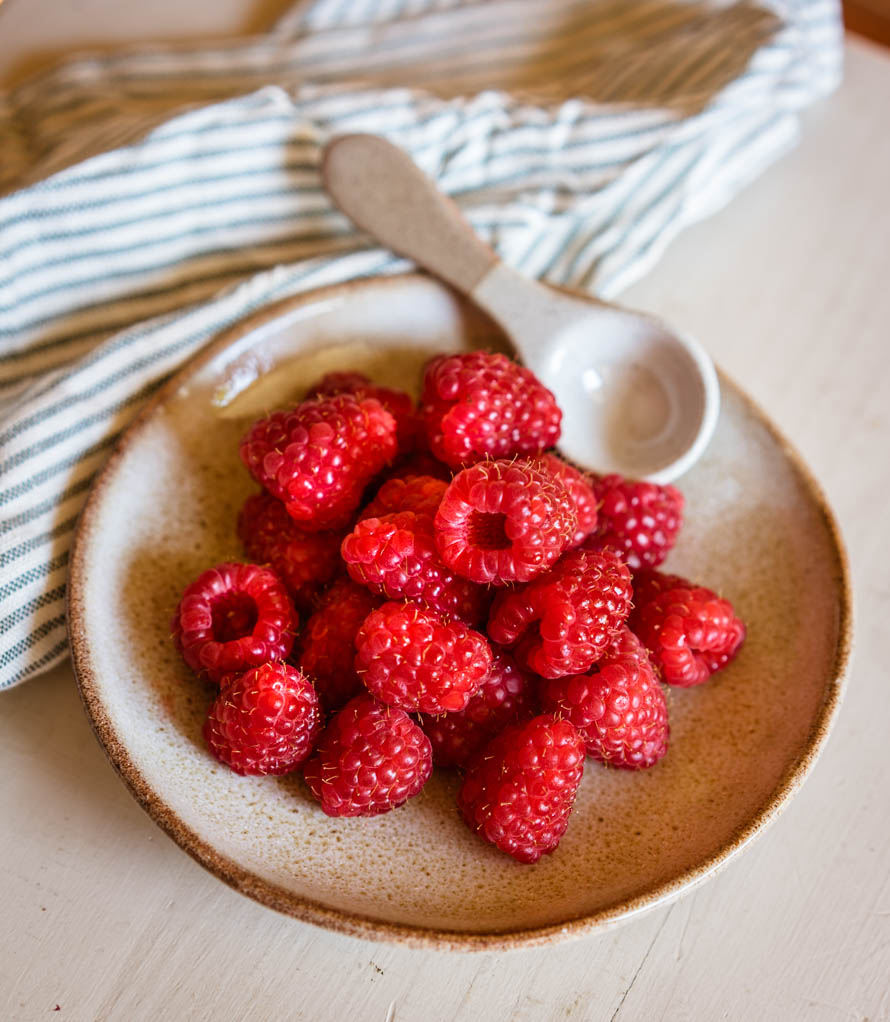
x=153 y=197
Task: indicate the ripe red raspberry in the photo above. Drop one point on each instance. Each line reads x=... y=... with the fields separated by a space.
x=233 y=617
x=396 y=556
x=370 y=758
x=327 y=645
x=304 y=561
x=264 y=721
x=422 y=494
x=419 y=464
x=396 y=402
x=689 y=631
x=507 y=695
x=580 y=489
x=504 y=521
x=318 y=456
x=638 y=520
x=478 y=405
x=618 y=708
x=520 y=788
x=649 y=583
x=416 y=659
x=562 y=622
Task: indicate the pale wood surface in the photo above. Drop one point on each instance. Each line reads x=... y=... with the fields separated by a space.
x=105 y=917
x=34 y=34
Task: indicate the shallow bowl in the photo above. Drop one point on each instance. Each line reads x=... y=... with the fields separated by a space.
x=163 y=510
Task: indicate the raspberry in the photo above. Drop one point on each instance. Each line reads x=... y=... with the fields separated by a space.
x=562 y=622
x=264 y=721
x=520 y=788
x=233 y=617
x=370 y=758
x=480 y=405
x=327 y=645
x=415 y=659
x=504 y=521
x=318 y=456
x=396 y=556
x=581 y=491
x=396 y=402
x=648 y=584
x=420 y=464
x=689 y=631
x=422 y=494
x=506 y=696
x=618 y=708
x=638 y=520
x=304 y=561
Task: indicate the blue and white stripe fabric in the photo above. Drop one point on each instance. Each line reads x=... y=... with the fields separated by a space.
x=154 y=197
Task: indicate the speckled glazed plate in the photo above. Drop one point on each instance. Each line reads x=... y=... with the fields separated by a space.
x=164 y=509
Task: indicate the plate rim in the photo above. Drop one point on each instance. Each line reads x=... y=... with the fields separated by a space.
x=368 y=927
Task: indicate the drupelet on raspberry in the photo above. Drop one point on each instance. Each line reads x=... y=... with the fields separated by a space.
x=370 y=759
x=481 y=405
x=411 y=657
x=504 y=521
x=396 y=556
x=419 y=463
x=233 y=617
x=304 y=561
x=264 y=721
x=396 y=402
x=638 y=520
x=520 y=788
x=689 y=630
x=421 y=494
x=318 y=457
x=506 y=696
x=580 y=487
x=563 y=621
x=326 y=647
x=618 y=707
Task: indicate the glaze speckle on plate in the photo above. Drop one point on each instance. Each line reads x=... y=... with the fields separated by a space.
x=164 y=509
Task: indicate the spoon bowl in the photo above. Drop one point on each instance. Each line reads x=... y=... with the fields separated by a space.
x=637 y=397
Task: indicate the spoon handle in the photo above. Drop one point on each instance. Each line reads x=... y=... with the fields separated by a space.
x=382 y=190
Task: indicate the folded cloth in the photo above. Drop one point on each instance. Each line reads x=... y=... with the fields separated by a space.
x=165 y=193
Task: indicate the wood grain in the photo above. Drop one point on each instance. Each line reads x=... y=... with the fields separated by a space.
x=105 y=917
x=869 y=18
x=35 y=34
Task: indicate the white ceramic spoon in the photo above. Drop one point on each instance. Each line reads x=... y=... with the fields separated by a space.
x=637 y=398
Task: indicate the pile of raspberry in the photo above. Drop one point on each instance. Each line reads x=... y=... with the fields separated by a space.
x=431 y=584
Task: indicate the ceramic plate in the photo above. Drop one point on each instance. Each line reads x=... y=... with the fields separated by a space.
x=164 y=509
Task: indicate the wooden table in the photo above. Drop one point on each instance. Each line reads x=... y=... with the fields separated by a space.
x=106 y=918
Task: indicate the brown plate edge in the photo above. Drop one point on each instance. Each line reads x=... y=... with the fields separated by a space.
x=354 y=924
